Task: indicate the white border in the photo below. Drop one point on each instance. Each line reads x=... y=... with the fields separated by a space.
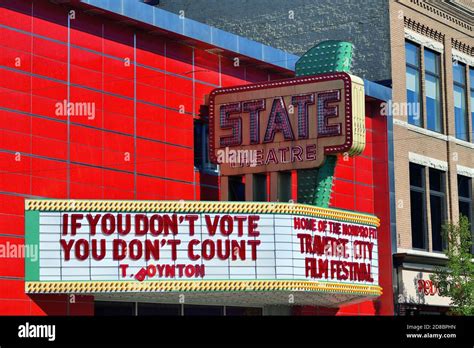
x=424 y=41
x=466 y=171
x=420 y=130
x=427 y=161
x=462 y=57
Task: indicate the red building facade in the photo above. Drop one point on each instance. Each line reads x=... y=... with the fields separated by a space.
x=141 y=91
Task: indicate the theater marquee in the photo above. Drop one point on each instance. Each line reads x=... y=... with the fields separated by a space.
x=223 y=247
x=287 y=124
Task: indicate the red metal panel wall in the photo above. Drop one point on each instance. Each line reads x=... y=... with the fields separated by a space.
x=103 y=154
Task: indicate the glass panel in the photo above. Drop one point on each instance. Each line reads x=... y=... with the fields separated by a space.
x=460 y=115
x=146 y=309
x=437 y=220
x=459 y=72
x=464 y=187
x=416 y=175
x=260 y=187
x=203 y=310
x=433 y=103
x=205 y=140
x=465 y=209
x=413 y=96
x=471 y=78
x=465 y=201
x=236 y=189
x=412 y=53
x=471 y=83
x=436 y=180
x=198 y=150
x=284 y=186
x=431 y=62
x=243 y=311
x=417 y=220
x=472 y=114
x=106 y=308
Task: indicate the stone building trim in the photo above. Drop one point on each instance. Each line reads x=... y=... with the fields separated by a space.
x=423 y=30
x=462 y=47
x=462 y=57
x=441 y=11
x=420 y=130
x=461 y=142
x=422 y=253
x=427 y=161
x=465 y=171
x=424 y=40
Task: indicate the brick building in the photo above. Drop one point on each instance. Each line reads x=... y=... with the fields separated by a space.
x=432 y=49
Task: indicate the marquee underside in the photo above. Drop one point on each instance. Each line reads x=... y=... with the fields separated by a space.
x=240 y=293
x=242 y=299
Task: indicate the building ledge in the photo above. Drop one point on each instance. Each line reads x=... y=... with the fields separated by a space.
x=180 y=25
x=403 y=256
x=420 y=130
x=414 y=252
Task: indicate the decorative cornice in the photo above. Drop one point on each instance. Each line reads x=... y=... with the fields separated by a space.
x=445 y=11
x=462 y=47
x=423 y=29
x=462 y=57
x=424 y=40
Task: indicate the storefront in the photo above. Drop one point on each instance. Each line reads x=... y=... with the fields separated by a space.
x=417 y=292
x=139 y=146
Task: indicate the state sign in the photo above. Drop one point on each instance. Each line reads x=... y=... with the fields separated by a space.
x=286 y=124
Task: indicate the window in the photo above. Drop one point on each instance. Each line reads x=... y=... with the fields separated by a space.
x=260 y=187
x=433 y=91
x=284 y=186
x=107 y=308
x=145 y=309
x=243 y=311
x=236 y=189
x=412 y=53
x=201 y=146
x=201 y=310
x=465 y=200
x=418 y=206
x=471 y=79
x=437 y=208
x=460 y=110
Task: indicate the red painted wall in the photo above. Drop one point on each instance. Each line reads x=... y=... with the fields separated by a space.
x=113 y=155
x=102 y=153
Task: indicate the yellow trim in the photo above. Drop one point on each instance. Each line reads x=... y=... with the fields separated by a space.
x=198 y=286
x=199 y=207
